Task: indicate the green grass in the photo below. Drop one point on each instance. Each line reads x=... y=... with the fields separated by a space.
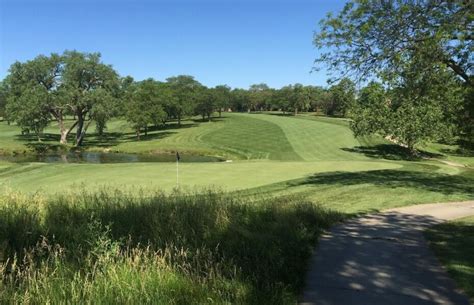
x=309 y=155
x=290 y=177
x=237 y=136
x=374 y=190
x=453 y=243
x=187 y=248
x=453 y=153
x=51 y=178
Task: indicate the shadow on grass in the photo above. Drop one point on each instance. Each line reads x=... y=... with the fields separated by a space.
x=453 y=243
x=213 y=119
x=124 y=138
x=266 y=243
x=108 y=139
x=460 y=152
x=389 y=152
x=32 y=138
x=435 y=182
x=366 y=252
x=279 y=113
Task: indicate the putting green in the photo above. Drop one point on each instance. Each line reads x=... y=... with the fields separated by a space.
x=52 y=178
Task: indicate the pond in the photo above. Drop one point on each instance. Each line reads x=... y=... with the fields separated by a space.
x=102 y=157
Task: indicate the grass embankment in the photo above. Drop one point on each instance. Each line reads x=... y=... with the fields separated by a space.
x=453 y=243
x=112 y=247
x=451 y=153
x=235 y=135
x=374 y=190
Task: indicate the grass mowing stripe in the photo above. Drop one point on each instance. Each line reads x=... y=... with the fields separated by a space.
x=314 y=140
x=252 y=138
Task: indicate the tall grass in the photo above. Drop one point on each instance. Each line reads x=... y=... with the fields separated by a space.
x=112 y=247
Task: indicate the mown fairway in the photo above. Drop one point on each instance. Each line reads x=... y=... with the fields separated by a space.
x=317 y=157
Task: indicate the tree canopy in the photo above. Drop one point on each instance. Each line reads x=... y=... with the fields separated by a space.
x=377 y=37
x=52 y=87
x=413 y=48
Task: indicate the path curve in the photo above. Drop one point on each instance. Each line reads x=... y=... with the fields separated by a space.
x=383 y=258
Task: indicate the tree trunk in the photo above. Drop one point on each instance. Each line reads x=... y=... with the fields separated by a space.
x=80 y=125
x=62 y=129
x=296 y=111
x=82 y=134
x=179 y=120
x=220 y=112
x=138 y=134
x=146 y=131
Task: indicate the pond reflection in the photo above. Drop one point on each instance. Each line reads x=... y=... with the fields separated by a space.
x=102 y=157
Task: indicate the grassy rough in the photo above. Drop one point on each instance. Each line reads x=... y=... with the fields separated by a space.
x=453 y=243
x=184 y=248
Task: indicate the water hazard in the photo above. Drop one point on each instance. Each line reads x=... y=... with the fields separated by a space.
x=102 y=157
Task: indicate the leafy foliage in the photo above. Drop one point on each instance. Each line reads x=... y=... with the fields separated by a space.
x=52 y=87
x=421 y=50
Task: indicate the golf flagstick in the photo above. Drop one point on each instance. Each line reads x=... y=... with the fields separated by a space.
x=177 y=169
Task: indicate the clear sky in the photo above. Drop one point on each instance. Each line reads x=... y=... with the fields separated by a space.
x=234 y=42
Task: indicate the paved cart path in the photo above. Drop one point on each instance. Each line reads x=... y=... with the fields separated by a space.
x=384 y=259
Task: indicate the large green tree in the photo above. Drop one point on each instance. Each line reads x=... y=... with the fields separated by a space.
x=91 y=86
x=206 y=102
x=3 y=99
x=376 y=37
x=144 y=105
x=222 y=98
x=239 y=99
x=416 y=111
x=29 y=112
x=370 y=113
x=185 y=91
x=56 y=86
x=388 y=39
x=342 y=96
x=258 y=95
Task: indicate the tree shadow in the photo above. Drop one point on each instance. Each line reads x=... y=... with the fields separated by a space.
x=42 y=148
x=435 y=182
x=390 y=152
x=286 y=114
x=269 y=242
x=380 y=258
x=31 y=137
x=460 y=152
x=213 y=119
x=453 y=243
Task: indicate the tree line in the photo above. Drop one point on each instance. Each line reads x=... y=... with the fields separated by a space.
x=414 y=58
x=74 y=89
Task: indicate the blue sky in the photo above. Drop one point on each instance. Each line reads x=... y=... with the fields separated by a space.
x=234 y=42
